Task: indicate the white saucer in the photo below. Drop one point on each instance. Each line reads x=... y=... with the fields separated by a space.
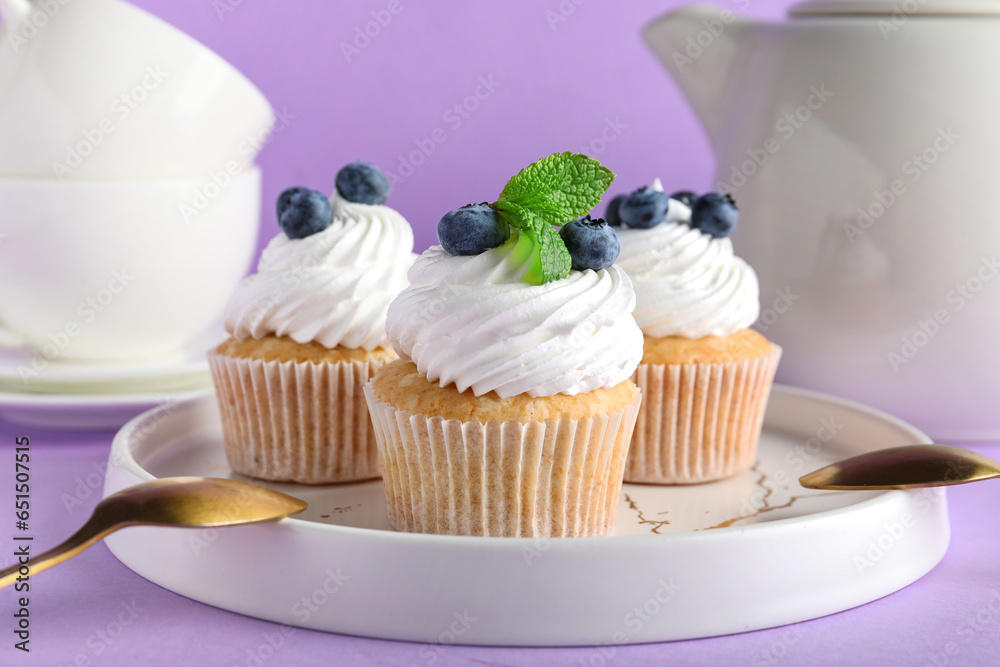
x=86 y=412
x=22 y=373
x=16 y=374
x=754 y=551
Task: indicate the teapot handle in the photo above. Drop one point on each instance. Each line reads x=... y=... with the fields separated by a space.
x=14 y=12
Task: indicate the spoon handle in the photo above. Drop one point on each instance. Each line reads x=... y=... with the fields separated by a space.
x=97 y=527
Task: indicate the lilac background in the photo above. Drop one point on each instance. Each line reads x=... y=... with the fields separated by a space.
x=560 y=85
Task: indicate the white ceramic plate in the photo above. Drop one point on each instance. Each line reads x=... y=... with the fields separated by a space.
x=85 y=412
x=751 y=552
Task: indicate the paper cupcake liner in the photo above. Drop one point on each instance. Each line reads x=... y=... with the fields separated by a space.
x=698 y=422
x=296 y=421
x=557 y=478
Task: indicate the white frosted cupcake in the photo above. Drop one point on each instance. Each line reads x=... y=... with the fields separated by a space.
x=510 y=409
x=705 y=375
x=307 y=331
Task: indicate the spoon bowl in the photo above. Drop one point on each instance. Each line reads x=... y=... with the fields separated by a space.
x=907 y=467
x=185 y=502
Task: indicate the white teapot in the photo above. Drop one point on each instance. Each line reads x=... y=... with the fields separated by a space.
x=861 y=141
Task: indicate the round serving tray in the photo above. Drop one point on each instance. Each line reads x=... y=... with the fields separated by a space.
x=750 y=552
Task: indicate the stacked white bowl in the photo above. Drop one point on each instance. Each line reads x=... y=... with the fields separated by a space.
x=129 y=198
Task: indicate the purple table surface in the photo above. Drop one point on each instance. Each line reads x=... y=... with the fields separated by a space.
x=92 y=610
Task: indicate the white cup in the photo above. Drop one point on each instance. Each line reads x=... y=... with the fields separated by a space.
x=98 y=89
x=122 y=271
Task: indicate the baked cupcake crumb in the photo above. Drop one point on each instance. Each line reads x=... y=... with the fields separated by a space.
x=283 y=348
x=738 y=346
x=400 y=384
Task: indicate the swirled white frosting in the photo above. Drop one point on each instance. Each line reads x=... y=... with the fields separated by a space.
x=333 y=287
x=473 y=322
x=687 y=283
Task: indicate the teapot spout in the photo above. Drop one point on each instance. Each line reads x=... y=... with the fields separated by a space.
x=699 y=45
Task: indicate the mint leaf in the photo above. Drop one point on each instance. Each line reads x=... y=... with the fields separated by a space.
x=552 y=259
x=548 y=194
x=558 y=188
x=556 y=261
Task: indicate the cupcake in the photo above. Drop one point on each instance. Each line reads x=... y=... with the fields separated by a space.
x=307 y=332
x=510 y=409
x=705 y=375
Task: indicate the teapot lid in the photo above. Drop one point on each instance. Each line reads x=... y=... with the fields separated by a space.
x=809 y=8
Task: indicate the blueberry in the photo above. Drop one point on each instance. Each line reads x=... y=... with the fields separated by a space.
x=471 y=230
x=685 y=196
x=715 y=214
x=644 y=208
x=303 y=212
x=362 y=183
x=611 y=214
x=592 y=244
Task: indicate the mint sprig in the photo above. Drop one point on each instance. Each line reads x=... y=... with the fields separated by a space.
x=545 y=195
x=549 y=258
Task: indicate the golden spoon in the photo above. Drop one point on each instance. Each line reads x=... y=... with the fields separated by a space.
x=186 y=502
x=907 y=467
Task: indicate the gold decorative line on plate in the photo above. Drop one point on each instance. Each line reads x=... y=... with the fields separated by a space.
x=762 y=510
x=337 y=510
x=766 y=507
x=643 y=520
